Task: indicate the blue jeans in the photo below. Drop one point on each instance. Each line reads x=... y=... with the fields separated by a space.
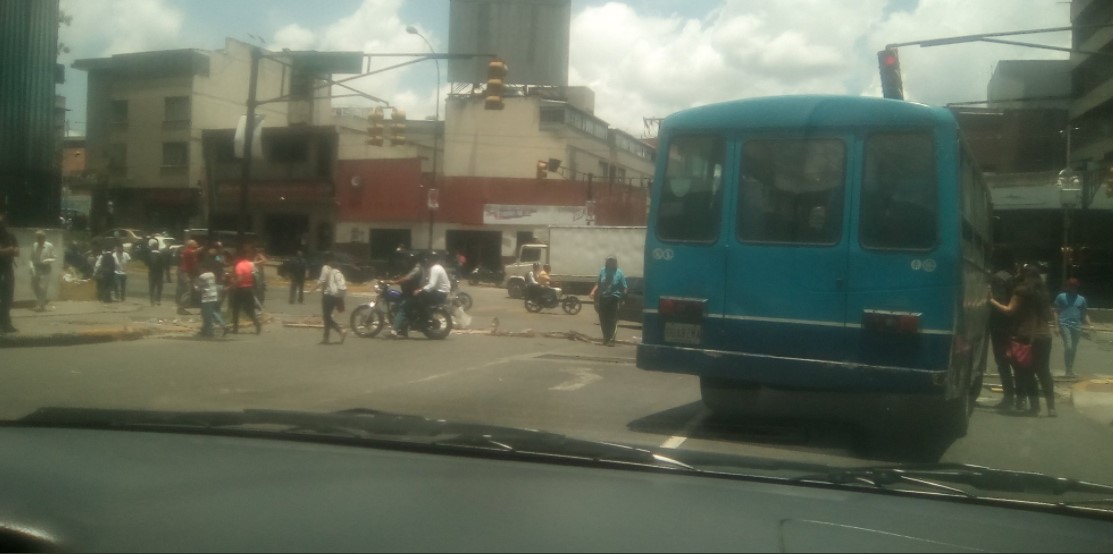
x=401 y=321
x=1070 y=336
x=210 y=313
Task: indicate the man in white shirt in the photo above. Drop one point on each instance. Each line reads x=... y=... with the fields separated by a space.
x=42 y=262
x=438 y=285
x=122 y=259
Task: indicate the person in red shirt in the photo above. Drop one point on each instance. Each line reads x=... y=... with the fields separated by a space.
x=243 y=289
x=187 y=275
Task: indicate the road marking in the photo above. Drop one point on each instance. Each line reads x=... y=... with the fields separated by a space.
x=582 y=377
x=675 y=441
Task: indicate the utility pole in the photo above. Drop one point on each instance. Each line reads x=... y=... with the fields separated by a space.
x=249 y=132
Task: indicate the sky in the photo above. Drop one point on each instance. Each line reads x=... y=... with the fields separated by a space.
x=642 y=58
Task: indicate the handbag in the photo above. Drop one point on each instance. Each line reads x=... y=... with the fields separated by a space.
x=1019 y=353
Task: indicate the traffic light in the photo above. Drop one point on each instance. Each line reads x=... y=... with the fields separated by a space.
x=496 y=84
x=542 y=170
x=375 y=127
x=398 y=127
x=889 y=64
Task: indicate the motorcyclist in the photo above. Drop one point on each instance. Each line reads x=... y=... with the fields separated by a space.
x=437 y=286
x=409 y=283
x=532 y=287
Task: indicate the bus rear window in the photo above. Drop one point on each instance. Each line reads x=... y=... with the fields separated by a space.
x=791 y=191
x=899 y=192
x=690 y=198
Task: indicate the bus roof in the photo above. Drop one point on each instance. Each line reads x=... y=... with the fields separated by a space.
x=808 y=111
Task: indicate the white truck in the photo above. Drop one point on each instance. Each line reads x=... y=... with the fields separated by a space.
x=577 y=254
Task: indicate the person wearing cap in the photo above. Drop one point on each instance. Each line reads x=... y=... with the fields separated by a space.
x=1070 y=315
x=42 y=261
x=609 y=290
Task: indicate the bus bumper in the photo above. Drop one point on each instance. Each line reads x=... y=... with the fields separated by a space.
x=791 y=373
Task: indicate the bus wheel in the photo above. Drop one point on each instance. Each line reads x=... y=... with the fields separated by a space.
x=725 y=398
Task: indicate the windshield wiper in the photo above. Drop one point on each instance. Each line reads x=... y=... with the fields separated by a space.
x=944 y=477
x=360 y=424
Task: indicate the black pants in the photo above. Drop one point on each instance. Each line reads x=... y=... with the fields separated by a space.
x=328 y=304
x=1000 y=341
x=7 y=297
x=297 y=289
x=1040 y=370
x=243 y=299
x=608 y=317
x=154 y=285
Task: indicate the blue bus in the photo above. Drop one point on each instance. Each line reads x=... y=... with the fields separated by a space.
x=821 y=245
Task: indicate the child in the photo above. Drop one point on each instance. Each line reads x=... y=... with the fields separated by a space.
x=209 y=290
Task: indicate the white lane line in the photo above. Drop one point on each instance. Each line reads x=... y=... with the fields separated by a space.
x=582 y=377
x=675 y=441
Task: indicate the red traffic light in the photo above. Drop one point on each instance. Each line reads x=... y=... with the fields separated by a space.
x=889 y=60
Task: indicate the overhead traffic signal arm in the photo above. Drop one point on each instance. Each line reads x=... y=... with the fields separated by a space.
x=888 y=63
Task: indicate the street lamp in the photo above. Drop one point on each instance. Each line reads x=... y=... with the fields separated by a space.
x=1070 y=197
x=436 y=136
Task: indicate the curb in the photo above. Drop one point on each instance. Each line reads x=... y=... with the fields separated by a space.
x=95 y=336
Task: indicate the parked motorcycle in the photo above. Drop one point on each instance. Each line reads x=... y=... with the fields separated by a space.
x=551 y=298
x=368 y=319
x=486 y=275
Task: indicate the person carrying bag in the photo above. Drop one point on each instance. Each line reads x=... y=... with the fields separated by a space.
x=334 y=287
x=1029 y=349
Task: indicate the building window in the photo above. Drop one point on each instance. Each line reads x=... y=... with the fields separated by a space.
x=177 y=108
x=552 y=115
x=175 y=154
x=119 y=112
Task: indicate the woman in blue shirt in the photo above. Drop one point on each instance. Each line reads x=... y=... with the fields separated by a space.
x=608 y=292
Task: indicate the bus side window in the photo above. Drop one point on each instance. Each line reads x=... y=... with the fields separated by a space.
x=690 y=197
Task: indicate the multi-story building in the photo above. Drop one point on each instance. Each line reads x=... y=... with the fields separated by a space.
x=491 y=195
x=1091 y=110
x=29 y=141
x=145 y=117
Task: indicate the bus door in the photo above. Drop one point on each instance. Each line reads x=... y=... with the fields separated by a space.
x=902 y=273
x=786 y=264
x=684 y=252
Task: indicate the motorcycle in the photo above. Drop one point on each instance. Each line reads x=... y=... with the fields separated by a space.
x=458 y=297
x=486 y=275
x=368 y=320
x=543 y=298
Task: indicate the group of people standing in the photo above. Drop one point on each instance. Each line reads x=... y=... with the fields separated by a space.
x=1022 y=323
x=207 y=276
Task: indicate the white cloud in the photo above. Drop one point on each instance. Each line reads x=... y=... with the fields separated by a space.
x=105 y=27
x=294 y=37
x=643 y=64
x=375 y=28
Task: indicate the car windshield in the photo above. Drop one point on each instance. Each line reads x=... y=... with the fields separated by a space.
x=785 y=237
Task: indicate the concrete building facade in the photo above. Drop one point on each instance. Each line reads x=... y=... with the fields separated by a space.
x=146 y=114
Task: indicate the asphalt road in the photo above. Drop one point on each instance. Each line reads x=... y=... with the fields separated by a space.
x=571 y=387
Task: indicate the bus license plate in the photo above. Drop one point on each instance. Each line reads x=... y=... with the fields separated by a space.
x=683 y=333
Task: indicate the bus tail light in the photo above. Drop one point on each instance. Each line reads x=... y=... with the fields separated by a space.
x=891 y=322
x=687 y=309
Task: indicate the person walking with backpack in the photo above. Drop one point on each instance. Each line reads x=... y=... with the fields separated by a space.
x=609 y=290
x=333 y=287
x=1070 y=314
x=1030 y=344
